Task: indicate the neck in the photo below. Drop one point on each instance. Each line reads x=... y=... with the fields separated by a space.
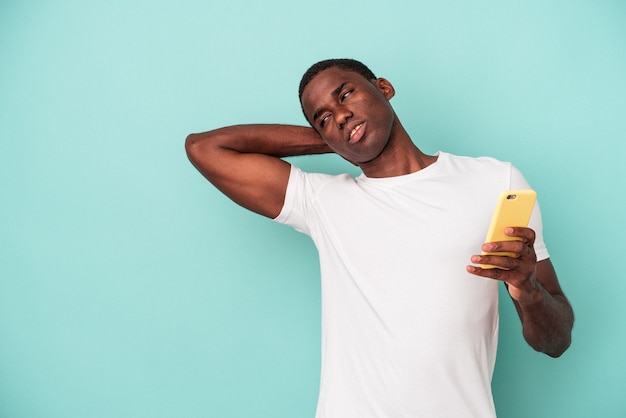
x=400 y=156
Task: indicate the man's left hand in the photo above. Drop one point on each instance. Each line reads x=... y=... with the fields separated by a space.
x=517 y=271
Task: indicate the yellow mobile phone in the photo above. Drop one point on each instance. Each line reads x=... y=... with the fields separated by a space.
x=513 y=208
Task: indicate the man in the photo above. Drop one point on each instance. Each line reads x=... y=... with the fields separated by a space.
x=409 y=329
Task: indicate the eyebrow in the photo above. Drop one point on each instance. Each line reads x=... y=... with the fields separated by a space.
x=335 y=92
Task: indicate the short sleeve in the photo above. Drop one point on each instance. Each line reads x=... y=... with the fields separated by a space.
x=294 y=208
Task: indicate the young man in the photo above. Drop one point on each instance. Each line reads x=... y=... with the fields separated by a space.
x=409 y=329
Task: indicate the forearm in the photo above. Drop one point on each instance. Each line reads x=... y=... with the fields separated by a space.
x=546 y=315
x=274 y=140
x=547 y=322
x=245 y=163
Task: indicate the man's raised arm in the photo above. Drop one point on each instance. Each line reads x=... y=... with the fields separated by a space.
x=244 y=161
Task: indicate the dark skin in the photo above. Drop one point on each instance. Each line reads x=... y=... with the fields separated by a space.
x=546 y=315
x=352 y=117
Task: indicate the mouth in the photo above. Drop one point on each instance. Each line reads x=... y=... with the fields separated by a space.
x=355 y=133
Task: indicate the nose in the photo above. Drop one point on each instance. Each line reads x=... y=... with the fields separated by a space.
x=342 y=115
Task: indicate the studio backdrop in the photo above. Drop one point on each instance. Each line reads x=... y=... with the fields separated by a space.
x=130 y=287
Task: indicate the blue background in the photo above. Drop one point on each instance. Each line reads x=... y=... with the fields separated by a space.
x=130 y=287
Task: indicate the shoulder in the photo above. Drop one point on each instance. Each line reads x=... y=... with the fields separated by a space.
x=475 y=167
x=306 y=193
x=314 y=182
x=481 y=161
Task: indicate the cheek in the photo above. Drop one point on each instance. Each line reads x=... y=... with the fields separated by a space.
x=386 y=114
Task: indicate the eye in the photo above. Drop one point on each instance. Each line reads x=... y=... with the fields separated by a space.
x=323 y=120
x=344 y=95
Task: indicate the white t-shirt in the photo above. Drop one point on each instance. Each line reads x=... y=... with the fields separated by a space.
x=406 y=331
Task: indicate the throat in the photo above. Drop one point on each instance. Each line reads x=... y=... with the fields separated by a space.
x=398 y=161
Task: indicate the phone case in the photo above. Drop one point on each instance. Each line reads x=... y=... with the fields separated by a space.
x=513 y=208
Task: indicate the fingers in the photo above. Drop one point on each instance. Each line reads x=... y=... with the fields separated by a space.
x=514 y=272
x=514 y=249
x=512 y=260
x=510 y=255
x=521 y=246
x=491 y=273
x=527 y=235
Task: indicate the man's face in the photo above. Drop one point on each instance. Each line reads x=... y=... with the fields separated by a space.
x=352 y=115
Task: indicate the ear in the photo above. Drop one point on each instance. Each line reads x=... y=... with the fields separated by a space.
x=385 y=88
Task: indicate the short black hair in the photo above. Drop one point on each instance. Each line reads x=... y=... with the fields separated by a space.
x=347 y=64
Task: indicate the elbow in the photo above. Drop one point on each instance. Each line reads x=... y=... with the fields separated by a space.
x=192 y=145
x=558 y=351
x=565 y=340
x=553 y=345
x=203 y=151
x=199 y=148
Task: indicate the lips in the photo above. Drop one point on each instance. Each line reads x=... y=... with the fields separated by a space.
x=355 y=132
